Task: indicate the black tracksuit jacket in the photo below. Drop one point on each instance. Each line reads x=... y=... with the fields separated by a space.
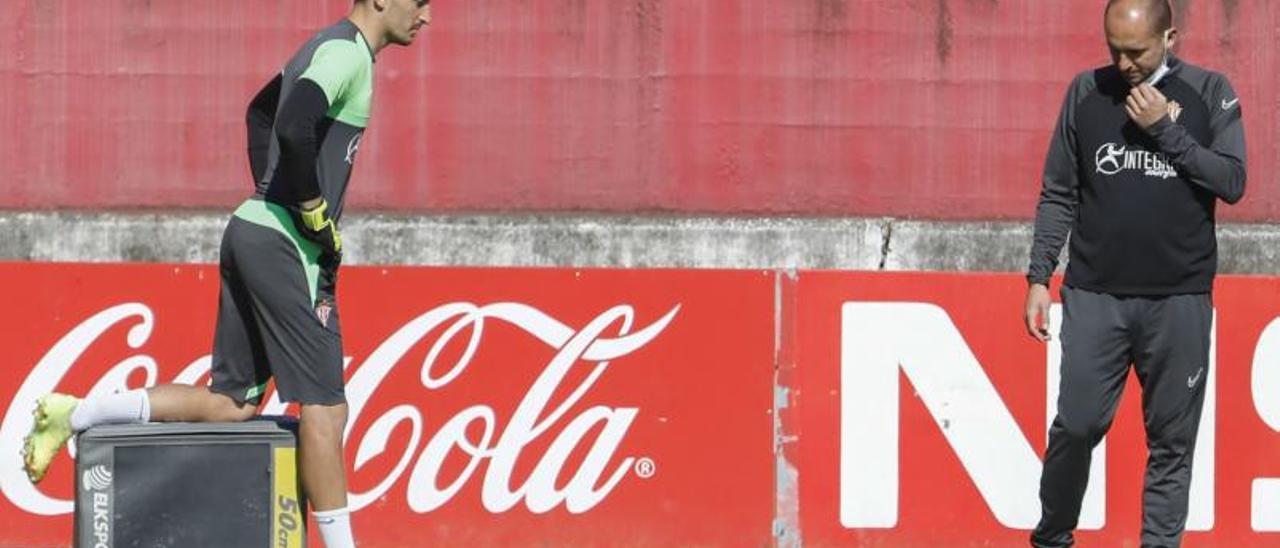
x=1139 y=205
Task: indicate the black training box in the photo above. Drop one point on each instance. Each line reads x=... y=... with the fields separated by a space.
x=189 y=485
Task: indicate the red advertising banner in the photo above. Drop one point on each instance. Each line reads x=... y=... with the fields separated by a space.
x=605 y=407
x=488 y=407
x=921 y=409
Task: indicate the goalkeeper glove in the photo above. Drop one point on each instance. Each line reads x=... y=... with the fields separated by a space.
x=319 y=228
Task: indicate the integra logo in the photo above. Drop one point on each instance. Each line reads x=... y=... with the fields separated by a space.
x=96 y=481
x=1112 y=159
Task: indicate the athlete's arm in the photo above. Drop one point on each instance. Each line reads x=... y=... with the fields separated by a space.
x=301 y=113
x=1055 y=212
x=1220 y=167
x=296 y=124
x=1059 y=191
x=259 y=120
x=336 y=66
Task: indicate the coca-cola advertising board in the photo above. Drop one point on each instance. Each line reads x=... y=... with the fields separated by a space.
x=488 y=407
x=613 y=407
x=921 y=409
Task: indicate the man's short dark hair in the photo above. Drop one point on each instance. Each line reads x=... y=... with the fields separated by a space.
x=1160 y=11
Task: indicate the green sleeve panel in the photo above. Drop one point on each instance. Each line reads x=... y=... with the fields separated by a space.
x=343 y=69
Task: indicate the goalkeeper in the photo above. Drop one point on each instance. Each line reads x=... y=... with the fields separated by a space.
x=277 y=313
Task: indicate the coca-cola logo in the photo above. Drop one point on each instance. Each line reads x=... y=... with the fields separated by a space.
x=609 y=336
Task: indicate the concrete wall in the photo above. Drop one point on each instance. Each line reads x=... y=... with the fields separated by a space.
x=930 y=109
x=593 y=241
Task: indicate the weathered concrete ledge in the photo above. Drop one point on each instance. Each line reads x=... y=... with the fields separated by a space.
x=590 y=241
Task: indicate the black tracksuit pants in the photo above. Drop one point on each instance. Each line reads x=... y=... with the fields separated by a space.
x=1166 y=339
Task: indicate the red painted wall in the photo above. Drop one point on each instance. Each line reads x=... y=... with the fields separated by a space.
x=935 y=109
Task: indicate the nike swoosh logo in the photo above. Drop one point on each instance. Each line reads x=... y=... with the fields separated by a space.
x=1228 y=105
x=1195 y=379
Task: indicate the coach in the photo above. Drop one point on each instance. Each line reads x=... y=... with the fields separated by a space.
x=1143 y=150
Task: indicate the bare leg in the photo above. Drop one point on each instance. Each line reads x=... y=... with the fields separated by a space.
x=186 y=403
x=324 y=475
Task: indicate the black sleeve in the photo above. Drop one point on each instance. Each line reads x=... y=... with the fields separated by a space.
x=1220 y=166
x=259 y=120
x=296 y=125
x=1059 y=191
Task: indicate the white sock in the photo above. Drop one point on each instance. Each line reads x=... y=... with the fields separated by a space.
x=129 y=407
x=335 y=528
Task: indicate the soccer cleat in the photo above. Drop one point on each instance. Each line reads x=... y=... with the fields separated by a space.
x=50 y=432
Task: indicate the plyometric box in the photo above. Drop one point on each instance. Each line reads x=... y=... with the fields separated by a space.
x=189 y=485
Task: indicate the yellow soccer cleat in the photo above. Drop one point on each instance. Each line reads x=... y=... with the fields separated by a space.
x=50 y=432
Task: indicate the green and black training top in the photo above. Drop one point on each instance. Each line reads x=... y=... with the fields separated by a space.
x=305 y=126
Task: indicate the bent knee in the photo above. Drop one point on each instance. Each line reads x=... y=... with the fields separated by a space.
x=242 y=413
x=229 y=410
x=323 y=420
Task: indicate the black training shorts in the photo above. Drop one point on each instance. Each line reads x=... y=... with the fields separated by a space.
x=276 y=312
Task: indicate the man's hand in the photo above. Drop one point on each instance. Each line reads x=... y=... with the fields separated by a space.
x=319 y=228
x=1037 y=312
x=1146 y=105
